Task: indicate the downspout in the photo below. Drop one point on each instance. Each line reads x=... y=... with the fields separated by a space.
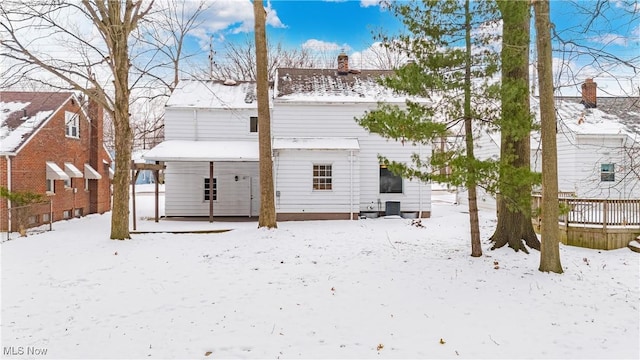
x=8 y=200
x=351 y=185
x=195 y=124
x=419 y=186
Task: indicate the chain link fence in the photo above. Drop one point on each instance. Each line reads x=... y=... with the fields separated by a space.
x=28 y=217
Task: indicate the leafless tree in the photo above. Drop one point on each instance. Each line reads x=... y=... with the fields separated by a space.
x=267 y=206
x=238 y=60
x=380 y=56
x=97 y=65
x=163 y=36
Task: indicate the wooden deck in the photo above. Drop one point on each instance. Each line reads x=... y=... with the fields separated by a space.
x=605 y=224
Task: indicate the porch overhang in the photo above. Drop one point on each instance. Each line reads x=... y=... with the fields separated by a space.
x=193 y=151
x=91 y=173
x=55 y=173
x=72 y=170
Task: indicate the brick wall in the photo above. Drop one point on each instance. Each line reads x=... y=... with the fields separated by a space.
x=28 y=168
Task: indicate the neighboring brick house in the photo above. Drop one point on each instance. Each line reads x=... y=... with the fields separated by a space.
x=50 y=143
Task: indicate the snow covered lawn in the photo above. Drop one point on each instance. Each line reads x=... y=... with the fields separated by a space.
x=375 y=288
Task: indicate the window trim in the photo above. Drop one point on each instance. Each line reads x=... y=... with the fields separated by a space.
x=251 y=125
x=607 y=175
x=205 y=197
x=50 y=189
x=393 y=177
x=322 y=177
x=71 y=122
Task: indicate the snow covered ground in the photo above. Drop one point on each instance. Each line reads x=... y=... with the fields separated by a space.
x=375 y=288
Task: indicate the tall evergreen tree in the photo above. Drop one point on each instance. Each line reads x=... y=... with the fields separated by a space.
x=515 y=181
x=453 y=70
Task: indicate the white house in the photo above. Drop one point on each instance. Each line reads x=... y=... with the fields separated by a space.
x=325 y=165
x=598 y=146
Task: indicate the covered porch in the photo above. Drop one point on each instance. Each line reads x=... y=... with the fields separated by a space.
x=209 y=179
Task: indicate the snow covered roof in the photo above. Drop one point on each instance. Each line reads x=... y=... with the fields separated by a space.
x=23 y=113
x=582 y=121
x=316 y=143
x=626 y=109
x=214 y=94
x=326 y=85
x=191 y=150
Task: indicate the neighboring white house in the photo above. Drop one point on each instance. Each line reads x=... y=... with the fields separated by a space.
x=598 y=146
x=325 y=165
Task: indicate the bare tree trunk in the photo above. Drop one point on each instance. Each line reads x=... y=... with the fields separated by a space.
x=514 y=202
x=550 y=248
x=116 y=23
x=476 y=247
x=267 y=206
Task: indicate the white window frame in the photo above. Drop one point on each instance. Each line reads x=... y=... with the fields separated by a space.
x=71 y=124
x=68 y=184
x=607 y=175
x=51 y=186
x=322 y=177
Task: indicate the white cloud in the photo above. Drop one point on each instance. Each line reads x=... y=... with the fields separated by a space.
x=233 y=16
x=368 y=3
x=610 y=39
x=319 y=45
x=377 y=56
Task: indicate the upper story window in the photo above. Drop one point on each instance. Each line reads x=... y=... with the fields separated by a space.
x=607 y=172
x=71 y=124
x=389 y=182
x=322 y=177
x=253 y=124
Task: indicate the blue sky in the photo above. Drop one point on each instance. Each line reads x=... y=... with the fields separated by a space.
x=331 y=25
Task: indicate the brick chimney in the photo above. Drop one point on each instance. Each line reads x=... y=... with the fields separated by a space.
x=96 y=117
x=589 y=96
x=343 y=64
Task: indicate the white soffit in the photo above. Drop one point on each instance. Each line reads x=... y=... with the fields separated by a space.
x=91 y=173
x=316 y=143
x=72 y=170
x=54 y=172
x=190 y=150
x=111 y=173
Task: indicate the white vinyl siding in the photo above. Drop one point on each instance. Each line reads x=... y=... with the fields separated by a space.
x=330 y=120
x=294 y=182
x=184 y=189
x=208 y=124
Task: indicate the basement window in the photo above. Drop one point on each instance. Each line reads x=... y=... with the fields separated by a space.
x=607 y=172
x=322 y=177
x=207 y=187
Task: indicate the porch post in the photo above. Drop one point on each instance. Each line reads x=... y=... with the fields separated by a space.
x=156 y=175
x=133 y=192
x=210 y=191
